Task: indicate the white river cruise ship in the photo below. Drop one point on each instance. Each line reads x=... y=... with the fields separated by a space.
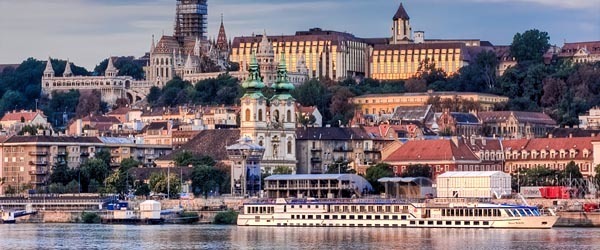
x=440 y=212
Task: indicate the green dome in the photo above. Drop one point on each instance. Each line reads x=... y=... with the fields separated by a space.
x=282 y=84
x=254 y=82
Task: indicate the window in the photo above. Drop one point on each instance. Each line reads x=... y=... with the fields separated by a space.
x=247 y=115
x=260 y=115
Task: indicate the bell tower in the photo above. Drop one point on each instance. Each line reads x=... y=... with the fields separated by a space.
x=401 y=30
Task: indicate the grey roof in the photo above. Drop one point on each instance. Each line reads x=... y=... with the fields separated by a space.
x=422 y=181
x=116 y=140
x=332 y=133
x=464 y=118
x=357 y=180
x=413 y=113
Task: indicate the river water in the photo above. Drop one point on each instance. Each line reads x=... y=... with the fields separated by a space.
x=84 y=236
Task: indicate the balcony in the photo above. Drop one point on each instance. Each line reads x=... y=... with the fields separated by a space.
x=85 y=154
x=38 y=153
x=371 y=150
x=38 y=163
x=316 y=170
x=315 y=149
x=315 y=159
x=342 y=149
x=38 y=172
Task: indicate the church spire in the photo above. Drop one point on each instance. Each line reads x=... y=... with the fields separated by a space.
x=282 y=85
x=152 y=46
x=222 y=37
x=253 y=83
x=111 y=70
x=49 y=71
x=68 y=72
x=401 y=14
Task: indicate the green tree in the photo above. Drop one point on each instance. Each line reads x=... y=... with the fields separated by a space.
x=142 y=189
x=104 y=155
x=282 y=170
x=89 y=103
x=187 y=158
x=121 y=181
x=158 y=184
x=572 y=171
x=93 y=169
x=417 y=170
x=377 y=172
x=126 y=66
x=340 y=166
x=206 y=179
x=530 y=46
x=61 y=173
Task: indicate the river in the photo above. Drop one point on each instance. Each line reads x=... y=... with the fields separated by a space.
x=86 y=236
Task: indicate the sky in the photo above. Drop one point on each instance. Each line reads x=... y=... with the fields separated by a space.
x=88 y=31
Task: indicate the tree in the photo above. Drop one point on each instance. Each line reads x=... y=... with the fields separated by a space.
x=417 y=170
x=159 y=183
x=120 y=181
x=416 y=85
x=340 y=108
x=187 y=158
x=206 y=179
x=89 y=103
x=93 y=169
x=104 y=155
x=377 y=172
x=126 y=66
x=61 y=173
x=142 y=189
x=530 y=46
x=282 y=170
x=572 y=171
x=340 y=166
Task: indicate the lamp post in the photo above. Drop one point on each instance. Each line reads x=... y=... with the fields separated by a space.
x=245 y=169
x=169 y=180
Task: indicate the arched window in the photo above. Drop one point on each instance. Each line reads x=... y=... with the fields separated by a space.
x=247 y=115
x=289 y=147
x=288 y=116
x=276 y=116
x=260 y=115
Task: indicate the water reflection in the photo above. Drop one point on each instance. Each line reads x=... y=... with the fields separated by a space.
x=79 y=236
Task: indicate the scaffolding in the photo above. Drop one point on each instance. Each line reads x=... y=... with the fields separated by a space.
x=191 y=19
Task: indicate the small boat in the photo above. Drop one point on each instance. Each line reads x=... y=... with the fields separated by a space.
x=429 y=213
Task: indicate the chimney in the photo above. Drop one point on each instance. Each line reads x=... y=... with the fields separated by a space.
x=483 y=141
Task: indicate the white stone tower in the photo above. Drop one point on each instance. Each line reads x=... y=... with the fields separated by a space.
x=401 y=30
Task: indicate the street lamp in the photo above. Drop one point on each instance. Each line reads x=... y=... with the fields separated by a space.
x=169 y=180
x=245 y=170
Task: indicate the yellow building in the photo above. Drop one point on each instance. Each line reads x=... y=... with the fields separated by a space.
x=386 y=103
x=326 y=54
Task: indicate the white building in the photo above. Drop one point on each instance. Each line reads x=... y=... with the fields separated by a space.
x=591 y=120
x=473 y=184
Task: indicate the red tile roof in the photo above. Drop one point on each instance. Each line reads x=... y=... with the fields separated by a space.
x=16 y=116
x=569 y=49
x=432 y=150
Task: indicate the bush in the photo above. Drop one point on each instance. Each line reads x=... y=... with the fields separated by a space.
x=90 y=218
x=226 y=218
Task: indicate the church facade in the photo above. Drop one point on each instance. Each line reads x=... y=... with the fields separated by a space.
x=270 y=123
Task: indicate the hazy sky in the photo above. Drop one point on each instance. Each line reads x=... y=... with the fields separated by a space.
x=87 y=31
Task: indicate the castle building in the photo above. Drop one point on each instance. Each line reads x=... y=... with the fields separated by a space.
x=111 y=86
x=270 y=126
x=317 y=53
x=581 y=52
x=400 y=57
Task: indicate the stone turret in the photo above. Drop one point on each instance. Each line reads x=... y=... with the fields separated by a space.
x=49 y=71
x=111 y=70
x=68 y=72
x=401 y=30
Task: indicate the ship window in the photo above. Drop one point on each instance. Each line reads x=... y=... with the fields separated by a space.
x=310 y=217
x=412 y=222
x=403 y=217
x=293 y=216
x=292 y=206
x=394 y=217
x=303 y=217
x=327 y=217
x=360 y=217
x=486 y=223
x=352 y=217
x=369 y=217
x=448 y=222
x=544 y=223
x=343 y=217
x=457 y=222
x=316 y=206
x=335 y=217
x=443 y=212
x=430 y=222
x=308 y=206
x=467 y=223
x=421 y=222
x=439 y=222
x=385 y=217
x=476 y=223
x=377 y=217
x=318 y=217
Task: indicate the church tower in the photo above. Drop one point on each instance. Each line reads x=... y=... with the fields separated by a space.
x=254 y=105
x=283 y=119
x=401 y=31
x=266 y=57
